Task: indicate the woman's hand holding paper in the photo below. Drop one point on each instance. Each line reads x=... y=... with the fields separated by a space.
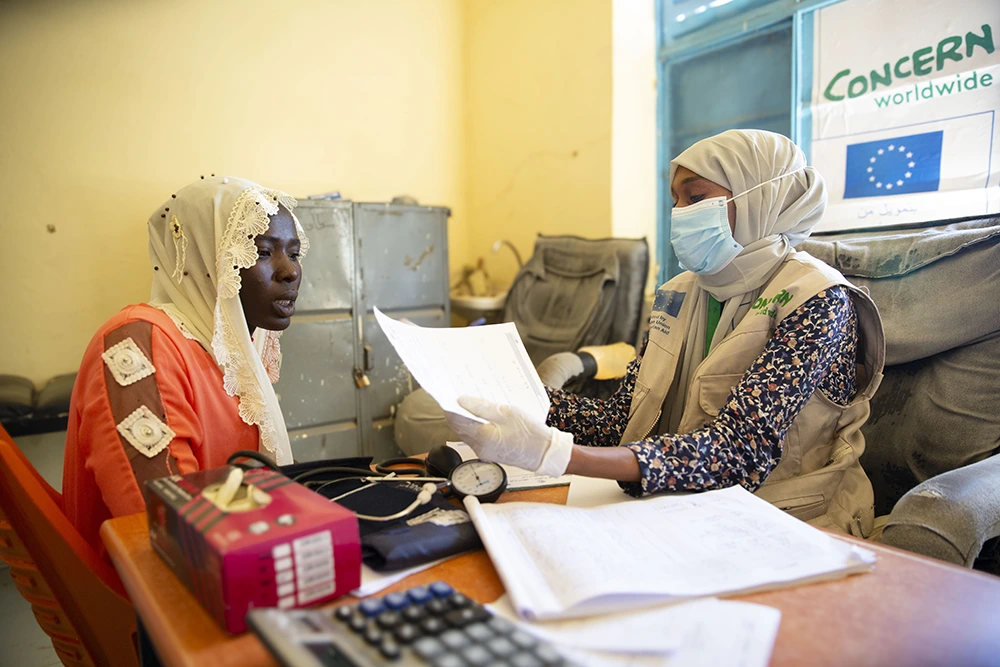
x=513 y=437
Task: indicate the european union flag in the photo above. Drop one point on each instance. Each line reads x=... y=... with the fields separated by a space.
x=896 y=166
x=669 y=302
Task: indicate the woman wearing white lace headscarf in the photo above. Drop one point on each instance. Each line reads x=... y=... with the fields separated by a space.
x=760 y=360
x=182 y=382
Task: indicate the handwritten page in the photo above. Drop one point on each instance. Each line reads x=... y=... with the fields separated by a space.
x=487 y=362
x=720 y=633
x=517 y=478
x=559 y=562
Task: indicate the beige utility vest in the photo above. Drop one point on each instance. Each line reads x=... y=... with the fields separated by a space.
x=819 y=478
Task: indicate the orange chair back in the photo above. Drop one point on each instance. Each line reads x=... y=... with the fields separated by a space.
x=75 y=595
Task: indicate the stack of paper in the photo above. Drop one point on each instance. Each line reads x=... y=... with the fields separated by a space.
x=705 y=632
x=560 y=562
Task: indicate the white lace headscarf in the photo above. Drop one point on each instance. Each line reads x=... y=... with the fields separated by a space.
x=770 y=221
x=198 y=242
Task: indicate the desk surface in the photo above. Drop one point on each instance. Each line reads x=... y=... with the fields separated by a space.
x=909 y=611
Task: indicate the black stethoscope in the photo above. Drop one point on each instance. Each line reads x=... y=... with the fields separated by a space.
x=443 y=469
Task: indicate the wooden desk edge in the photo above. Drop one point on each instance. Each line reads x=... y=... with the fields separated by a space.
x=165 y=640
x=171 y=648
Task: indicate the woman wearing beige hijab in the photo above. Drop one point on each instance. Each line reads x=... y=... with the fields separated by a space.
x=760 y=360
x=180 y=383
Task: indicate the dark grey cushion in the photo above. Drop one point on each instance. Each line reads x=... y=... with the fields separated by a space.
x=936 y=288
x=53 y=399
x=950 y=516
x=17 y=396
x=931 y=416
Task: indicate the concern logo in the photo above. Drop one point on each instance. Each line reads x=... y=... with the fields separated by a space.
x=923 y=61
x=761 y=305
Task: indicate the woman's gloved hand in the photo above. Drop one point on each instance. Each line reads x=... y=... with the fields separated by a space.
x=512 y=437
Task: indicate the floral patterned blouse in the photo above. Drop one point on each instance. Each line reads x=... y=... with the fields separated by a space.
x=812 y=349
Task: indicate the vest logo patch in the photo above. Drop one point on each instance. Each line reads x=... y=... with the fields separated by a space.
x=669 y=302
x=666 y=304
x=761 y=305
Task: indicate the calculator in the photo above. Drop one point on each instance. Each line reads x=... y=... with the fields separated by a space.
x=431 y=625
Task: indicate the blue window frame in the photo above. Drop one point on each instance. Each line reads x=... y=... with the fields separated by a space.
x=724 y=64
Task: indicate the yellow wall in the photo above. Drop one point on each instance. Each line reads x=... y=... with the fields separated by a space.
x=109 y=106
x=499 y=110
x=538 y=123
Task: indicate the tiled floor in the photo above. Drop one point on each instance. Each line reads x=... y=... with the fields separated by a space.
x=24 y=644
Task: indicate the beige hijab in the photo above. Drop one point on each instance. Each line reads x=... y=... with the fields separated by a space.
x=770 y=221
x=198 y=242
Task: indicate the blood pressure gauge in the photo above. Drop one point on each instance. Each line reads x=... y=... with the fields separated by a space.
x=479 y=479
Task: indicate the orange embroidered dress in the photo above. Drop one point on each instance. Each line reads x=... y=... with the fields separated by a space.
x=148 y=402
x=179 y=384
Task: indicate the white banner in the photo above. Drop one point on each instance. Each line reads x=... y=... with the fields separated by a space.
x=906 y=95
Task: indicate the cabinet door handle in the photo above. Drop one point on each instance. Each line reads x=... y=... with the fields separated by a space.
x=369 y=357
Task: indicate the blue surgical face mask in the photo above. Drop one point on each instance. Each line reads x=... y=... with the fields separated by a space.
x=700 y=233
x=701 y=236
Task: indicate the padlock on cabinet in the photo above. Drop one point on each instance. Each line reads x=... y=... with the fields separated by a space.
x=361 y=378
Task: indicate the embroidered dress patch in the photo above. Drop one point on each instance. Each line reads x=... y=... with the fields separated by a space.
x=127 y=362
x=146 y=432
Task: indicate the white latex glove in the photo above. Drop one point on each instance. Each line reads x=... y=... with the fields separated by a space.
x=512 y=437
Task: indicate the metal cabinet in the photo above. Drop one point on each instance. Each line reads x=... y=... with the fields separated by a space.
x=340 y=378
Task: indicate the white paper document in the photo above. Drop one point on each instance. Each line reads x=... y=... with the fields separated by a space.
x=561 y=562
x=517 y=478
x=372 y=582
x=705 y=632
x=487 y=362
x=591 y=492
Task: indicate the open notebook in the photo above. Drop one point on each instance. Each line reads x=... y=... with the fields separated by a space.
x=560 y=562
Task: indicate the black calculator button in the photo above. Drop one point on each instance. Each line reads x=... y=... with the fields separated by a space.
x=476 y=655
x=389 y=619
x=449 y=660
x=478 y=612
x=406 y=633
x=458 y=601
x=459 y=618
x=373 y=635
x=523 y=639
x=390 y=649
x=413 y=613
x=344 y=613
x=480 y=632
x=437 y=607
x=501 y=626
x=432 y=626
x=358 y=622
x=525 y=659
x=548 y=655
x=454 y=639
x=501 y=646
x=428 y=647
